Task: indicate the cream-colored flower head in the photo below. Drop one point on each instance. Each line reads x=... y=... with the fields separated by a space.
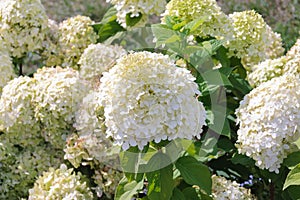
x=266 y=70
x=23 y=25
x=215 y=22
x=58 y=94
x=254 y=41
x=20 y=168
x=135 y=8
x=62 y=183
x=91 y=143
x=146 y=97
x=75 y=35
x=17 y=112
x=98 y=58
x=223 y=189
x=268 y=117
x=6 y=67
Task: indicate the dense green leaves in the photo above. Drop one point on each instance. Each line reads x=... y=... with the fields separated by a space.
x=194 y=173
x=126 y=190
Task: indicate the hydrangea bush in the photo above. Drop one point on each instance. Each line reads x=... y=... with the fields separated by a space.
x=209 y=109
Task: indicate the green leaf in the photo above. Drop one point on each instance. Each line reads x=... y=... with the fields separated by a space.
x=216 y=77
x=126 y=190
x=177 y=195
x=242 y=159
x=160 y=182
x=293 y=178
x=190 y=194
x=194 y=173
x=131 y=21
x=195 y=24
x=292 y=160
x=109 y=16
x=221 y=55
x=294 y=192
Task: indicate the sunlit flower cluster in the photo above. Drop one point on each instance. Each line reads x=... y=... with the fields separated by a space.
x=266 y=70
x=146 y=97
x=223 y=189
x=17 y=112
x=294 y=51
x=268 y=118
x=6 y=66
x=215 y=22
x=98 y=58
x=75 y=35
x=254 y=41
x=136 y=8
x=62 y=183
x=20 y=168
x=58 y=94
x=24 y=25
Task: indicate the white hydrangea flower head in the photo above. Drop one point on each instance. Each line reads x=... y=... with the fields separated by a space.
x=58 y=95
x=19 y=169
x=215 y=22
x=75 y=35
x=147 y=98
x=266 y=70
x=253 y=38
x=294 y=51
x=268 y=117
x=98 y=58
x=62 y=183
x=23 y=25
x=292 y=66
x=135 y=8
x=274 y=46
x=6 y=67
x=223 y=189
x=17 y=119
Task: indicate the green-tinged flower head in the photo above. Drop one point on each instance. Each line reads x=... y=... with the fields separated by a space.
x=98 y=58
x=58 y=94
x=20 y=168
x=254 y=41
x=266 y=70
x=75 y=35
x=62 y=183
x=23 y=25
x=135 y=8
x=215 y=22
x=6 y=66
x=223 y=189
x=147 y=98
x=268 y=117
x=17 y=112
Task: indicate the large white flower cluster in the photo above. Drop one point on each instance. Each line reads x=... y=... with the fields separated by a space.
x=268 y=117
x=223 y=189
x=146 y=97
x=20 y=168
x=253 y=39
x=215 y=22
x=266 y=70
x=17 y=112
x=135 y=8
x=6 y=66
x=24 y=25
x=57 y=97
x=62 y=183
x=75 y=35
x=98 y=58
